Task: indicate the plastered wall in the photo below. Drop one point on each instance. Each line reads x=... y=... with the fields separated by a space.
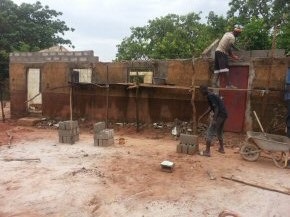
x=266 y=83
x=96 y=102
x=119 y=103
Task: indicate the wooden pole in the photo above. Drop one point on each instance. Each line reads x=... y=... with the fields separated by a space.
x=70 y=102
x=21 y=159
x=257 y=185
x=194 y=115
x=2 y=106
x=137 y=102
x=107 y=98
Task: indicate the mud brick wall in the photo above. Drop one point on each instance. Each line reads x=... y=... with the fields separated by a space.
x=155 y=103
x=18 y=91
x=90 y=101
x=264 y=73
x=180 y=72
x=203 y=69
x=110 y=73
x=55 y=68
x=270 y=73
x=270 y=106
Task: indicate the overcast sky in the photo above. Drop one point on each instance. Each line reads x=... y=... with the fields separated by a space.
x=101 y=25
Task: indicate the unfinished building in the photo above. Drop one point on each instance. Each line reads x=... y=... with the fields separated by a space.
x=59 y=83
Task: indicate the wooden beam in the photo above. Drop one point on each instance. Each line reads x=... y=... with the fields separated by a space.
x=263 y=186
x=2 y=105
x=21 y=159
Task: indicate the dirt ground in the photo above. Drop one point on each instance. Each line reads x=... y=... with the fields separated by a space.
x=82 y=180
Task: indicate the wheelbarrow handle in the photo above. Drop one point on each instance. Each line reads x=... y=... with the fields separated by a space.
x=256 y=116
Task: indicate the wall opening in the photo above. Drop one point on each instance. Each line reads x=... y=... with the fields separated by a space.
x=141 y=74
x=144 y=77
x=81 y=75
x=34 y=97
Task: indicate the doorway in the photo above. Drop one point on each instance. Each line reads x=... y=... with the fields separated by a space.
x=34 y=97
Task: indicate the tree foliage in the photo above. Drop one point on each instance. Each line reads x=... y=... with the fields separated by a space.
x=169 y=37
x=266 y=23
x=29 y=27
x=255 y=36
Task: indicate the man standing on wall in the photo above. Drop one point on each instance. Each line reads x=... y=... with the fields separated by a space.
x=223 y=51
x=216 y=126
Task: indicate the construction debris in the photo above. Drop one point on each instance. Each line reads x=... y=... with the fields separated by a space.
x=167 y=166
x=211 y=175
x=181 y=127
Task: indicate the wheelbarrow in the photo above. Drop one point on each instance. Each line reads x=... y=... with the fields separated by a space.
x=275 y=146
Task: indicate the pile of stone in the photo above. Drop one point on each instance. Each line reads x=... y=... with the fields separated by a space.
x=68 y=132
x=103 y=136
x=188 y=144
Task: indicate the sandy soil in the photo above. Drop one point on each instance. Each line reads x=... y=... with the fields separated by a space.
x=82 y=180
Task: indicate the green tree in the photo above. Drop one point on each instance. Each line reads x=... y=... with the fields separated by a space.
x=266 y=22
x=28 y=27
x=217 y=24
x=282 y=18
x=168 y=37
x=255 y=36
x=283 y=38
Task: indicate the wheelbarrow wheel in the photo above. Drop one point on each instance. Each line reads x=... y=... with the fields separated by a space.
x=283 y=162
x=250 y=152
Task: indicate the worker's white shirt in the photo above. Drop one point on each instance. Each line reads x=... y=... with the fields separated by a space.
x=226 y=42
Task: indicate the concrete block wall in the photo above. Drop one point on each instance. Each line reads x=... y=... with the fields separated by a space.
x=68 y=132
x=103 y=136
x=53 y=56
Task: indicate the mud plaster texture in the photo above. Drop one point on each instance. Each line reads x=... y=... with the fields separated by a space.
x=125 y=180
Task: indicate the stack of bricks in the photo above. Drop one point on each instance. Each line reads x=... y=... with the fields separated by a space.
x=188 y=144
x=68 y=132
x=103 y=136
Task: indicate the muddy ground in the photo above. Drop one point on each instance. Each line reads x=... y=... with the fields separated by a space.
x=125 y=180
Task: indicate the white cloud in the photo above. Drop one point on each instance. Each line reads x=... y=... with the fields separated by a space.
x=101 y=25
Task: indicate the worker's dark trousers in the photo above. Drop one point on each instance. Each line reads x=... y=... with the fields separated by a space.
x=216 y=130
